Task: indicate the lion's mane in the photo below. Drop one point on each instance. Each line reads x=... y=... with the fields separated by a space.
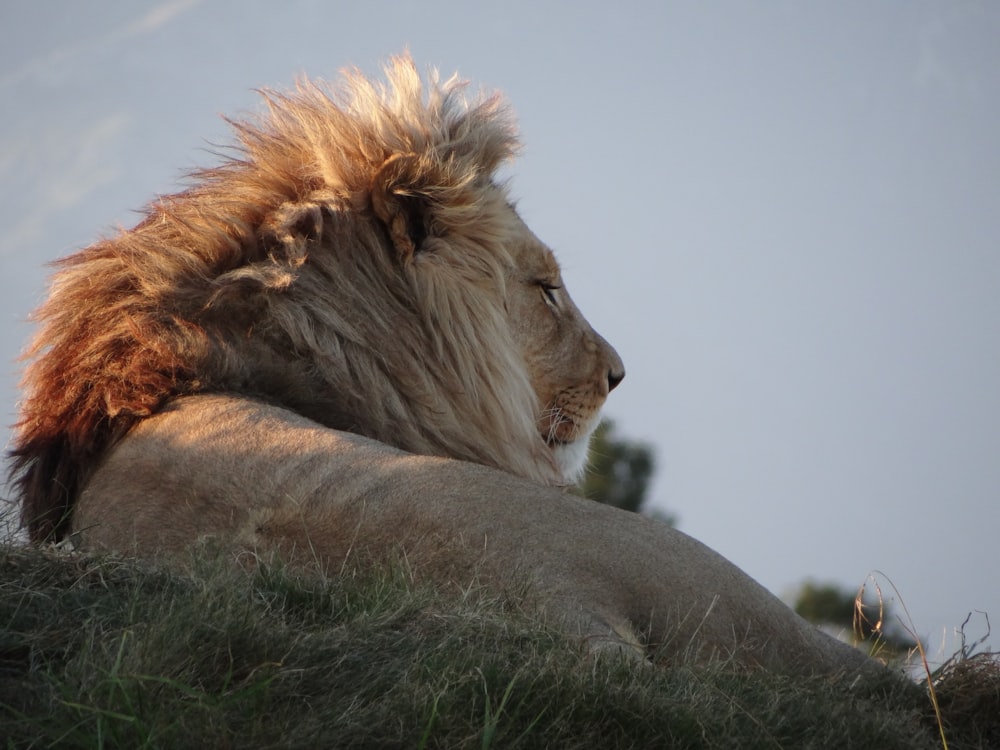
x=346 y=261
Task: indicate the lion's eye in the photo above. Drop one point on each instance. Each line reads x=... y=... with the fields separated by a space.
x=549 y=290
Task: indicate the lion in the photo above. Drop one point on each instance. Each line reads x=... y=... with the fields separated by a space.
x=343 y=343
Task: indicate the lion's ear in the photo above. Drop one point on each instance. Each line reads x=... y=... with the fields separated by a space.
x=298 y=222
x=287 y=233
x=398 y=203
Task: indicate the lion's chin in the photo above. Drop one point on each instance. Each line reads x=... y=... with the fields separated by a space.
x=571 y=457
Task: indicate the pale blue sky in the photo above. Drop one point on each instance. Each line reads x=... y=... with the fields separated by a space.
x=785 y=215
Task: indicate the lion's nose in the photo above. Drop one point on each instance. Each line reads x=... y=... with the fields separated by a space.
x=614 y=378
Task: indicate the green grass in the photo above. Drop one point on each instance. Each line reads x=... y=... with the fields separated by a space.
x=103 y=653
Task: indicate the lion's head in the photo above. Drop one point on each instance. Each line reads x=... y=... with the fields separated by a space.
x=356 y=261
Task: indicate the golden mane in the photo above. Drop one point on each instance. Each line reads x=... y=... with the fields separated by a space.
x=394 y=328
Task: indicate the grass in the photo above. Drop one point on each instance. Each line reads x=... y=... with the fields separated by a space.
x=105 y=653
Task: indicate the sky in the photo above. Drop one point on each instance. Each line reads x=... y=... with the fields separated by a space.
x=784 y=215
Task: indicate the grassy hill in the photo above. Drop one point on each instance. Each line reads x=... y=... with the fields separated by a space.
x=103 y=653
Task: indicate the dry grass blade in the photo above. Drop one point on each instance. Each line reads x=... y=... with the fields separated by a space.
x=964 y=692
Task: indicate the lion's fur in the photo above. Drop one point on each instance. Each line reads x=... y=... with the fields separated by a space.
x=270 y=276
x=260 y=480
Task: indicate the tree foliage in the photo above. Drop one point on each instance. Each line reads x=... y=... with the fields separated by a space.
x=619 y=472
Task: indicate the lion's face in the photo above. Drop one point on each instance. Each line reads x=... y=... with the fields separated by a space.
x=571 y=367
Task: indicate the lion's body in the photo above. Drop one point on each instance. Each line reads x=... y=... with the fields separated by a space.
x=358 y=272
x=263 y=481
